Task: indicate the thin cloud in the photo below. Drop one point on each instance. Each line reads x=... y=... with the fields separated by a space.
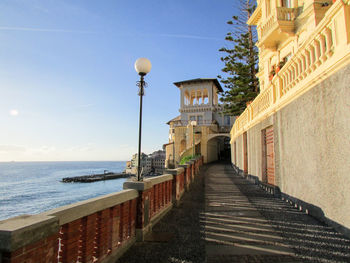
x=12 y=148
x=85 y=105
x=51 y=30
x=190 y=37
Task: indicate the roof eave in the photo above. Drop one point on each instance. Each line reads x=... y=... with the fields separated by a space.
x=216 y=82
x=256 y=16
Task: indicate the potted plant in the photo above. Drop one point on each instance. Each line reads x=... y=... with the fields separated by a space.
x=279 y=66
x=272 y=73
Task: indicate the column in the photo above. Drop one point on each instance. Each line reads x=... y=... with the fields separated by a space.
x=303 y=66
x=329 y=41
x=182 y=98
x=317 y=51
x=323 y=46
x=144 y=188
x=307 y=57
x=312 y=55
x=210 y=96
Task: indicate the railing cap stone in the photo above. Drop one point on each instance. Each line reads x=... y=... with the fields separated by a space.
x=160 y=179
x=22 y=230
x=138 y=185
x=80 y=209
x=147 y=183
x=175 y=171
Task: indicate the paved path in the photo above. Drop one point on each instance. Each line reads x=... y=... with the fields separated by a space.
x=225 y=218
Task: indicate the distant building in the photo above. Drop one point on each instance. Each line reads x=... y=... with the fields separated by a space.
x=152 y=163
x=131 y=166
x=199 y=102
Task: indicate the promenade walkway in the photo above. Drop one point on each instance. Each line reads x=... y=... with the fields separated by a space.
x=225 y=218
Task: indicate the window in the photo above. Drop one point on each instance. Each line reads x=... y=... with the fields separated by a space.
x=192 y=118
x=227 y=121
x=286 y=3
x=199 y=119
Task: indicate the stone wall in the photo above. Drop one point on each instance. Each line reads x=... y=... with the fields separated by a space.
x=311 y=147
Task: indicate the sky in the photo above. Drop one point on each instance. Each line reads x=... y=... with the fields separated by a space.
x=67 y=79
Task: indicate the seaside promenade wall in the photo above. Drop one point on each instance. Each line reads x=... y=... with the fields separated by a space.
x=293 y=140
x=96 y=230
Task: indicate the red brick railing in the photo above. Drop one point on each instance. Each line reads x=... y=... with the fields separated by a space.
x=178 y=183
x=87 y=231
x=98 y=229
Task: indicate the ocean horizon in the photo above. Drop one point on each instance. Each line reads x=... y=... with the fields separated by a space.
x=35 y=187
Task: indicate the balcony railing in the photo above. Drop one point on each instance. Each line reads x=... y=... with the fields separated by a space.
x=221 y=129
x=199 y=123
x=280 y=21
x=200 y=107
x=326 y=50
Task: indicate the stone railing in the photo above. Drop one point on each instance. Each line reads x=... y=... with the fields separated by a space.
x=96 y=230
x=278 y=14
x=199 y=123
x=87 y=231
x=201 y=107
x=178 y=183
x=286 y=14
x=326 y=50
x=265 y=28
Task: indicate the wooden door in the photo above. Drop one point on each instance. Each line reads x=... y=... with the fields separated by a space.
x=263 y=157
x=270 y=156
x=245 y=152
x=234 y=153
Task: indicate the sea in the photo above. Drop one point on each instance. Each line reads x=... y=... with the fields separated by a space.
x=35 y=187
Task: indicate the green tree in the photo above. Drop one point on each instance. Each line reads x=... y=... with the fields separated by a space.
x=241 y=62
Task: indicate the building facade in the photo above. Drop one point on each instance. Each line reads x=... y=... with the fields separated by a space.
x=199 y=102
x=294 y=135
x=152 y=163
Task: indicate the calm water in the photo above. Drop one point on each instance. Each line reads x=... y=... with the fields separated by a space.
x=34 y=187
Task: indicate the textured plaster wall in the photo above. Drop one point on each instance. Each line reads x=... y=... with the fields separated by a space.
x=212 y=150
x=314 y=146
x=311 y=146
x=239 y=151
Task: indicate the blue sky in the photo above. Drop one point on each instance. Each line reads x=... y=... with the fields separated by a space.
x=67 y=77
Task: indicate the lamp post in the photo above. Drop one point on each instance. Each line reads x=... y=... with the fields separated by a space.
x=193 y=123
x=142 y=67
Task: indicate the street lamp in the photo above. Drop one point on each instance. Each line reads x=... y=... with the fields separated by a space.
x=193 y=123
x=142 y=67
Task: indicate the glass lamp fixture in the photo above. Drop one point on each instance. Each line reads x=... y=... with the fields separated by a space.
x=143 y=66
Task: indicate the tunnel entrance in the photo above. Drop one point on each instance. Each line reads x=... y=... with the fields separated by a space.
x=219 y=149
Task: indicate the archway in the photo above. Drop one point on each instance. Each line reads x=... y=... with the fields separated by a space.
x=219 y=149
x=182 y=145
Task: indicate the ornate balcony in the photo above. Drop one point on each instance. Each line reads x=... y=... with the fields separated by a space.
x=325 y=51
x=200 y=108
x=277 y=27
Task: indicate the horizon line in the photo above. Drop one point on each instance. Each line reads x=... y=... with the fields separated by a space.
x=61 y=161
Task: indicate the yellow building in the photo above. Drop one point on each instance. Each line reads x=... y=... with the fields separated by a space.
x=199 y=105
x=294 y=137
